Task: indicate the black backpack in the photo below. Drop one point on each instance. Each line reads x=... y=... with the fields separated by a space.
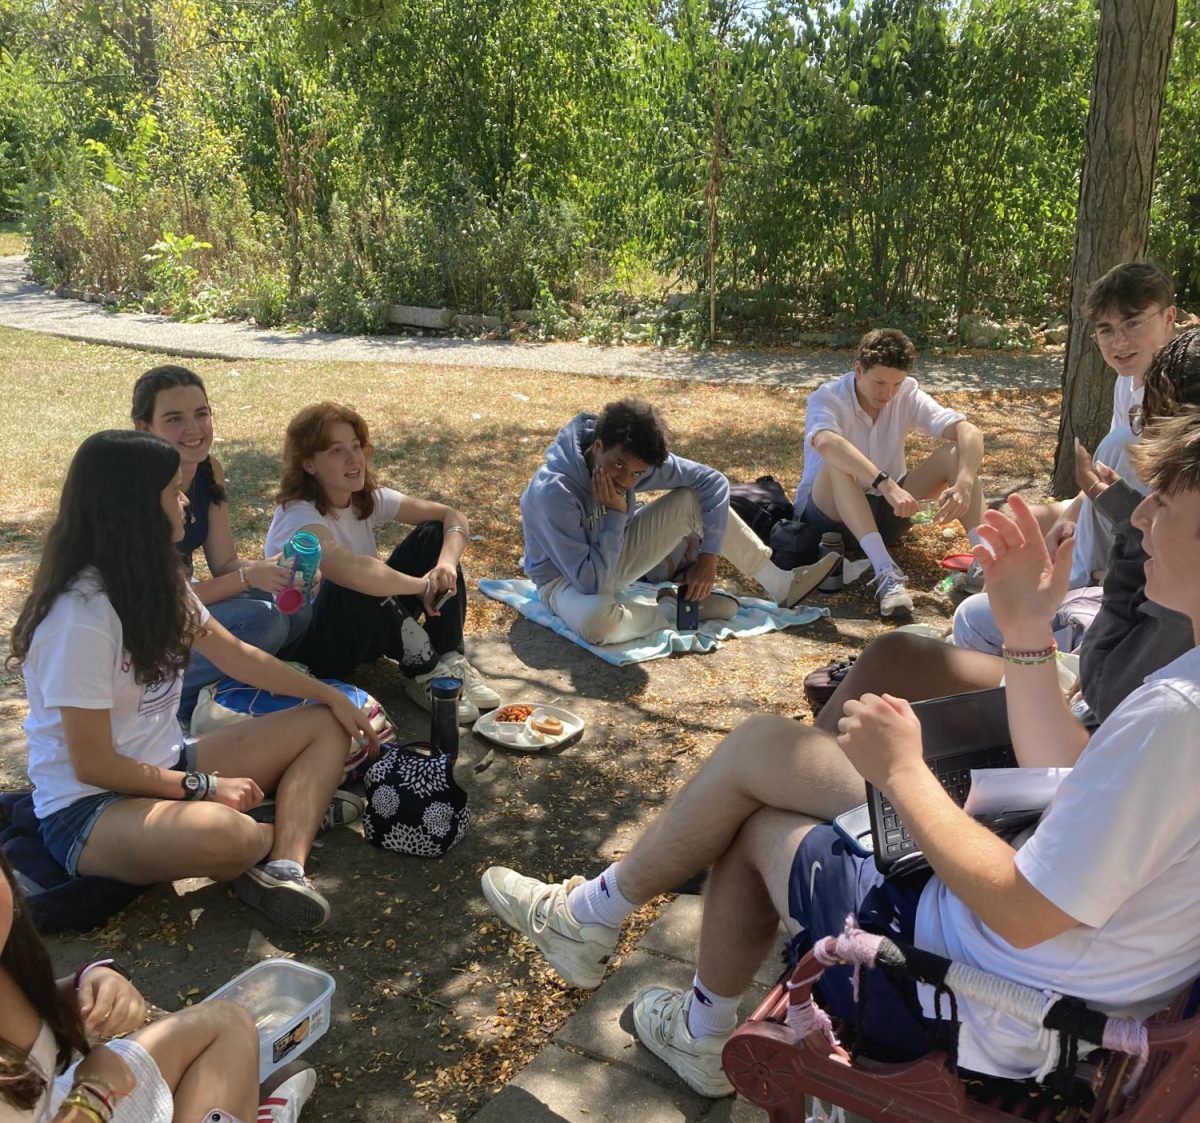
x=760 y=505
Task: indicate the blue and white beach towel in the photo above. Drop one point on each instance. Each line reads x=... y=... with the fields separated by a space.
x=753 y=618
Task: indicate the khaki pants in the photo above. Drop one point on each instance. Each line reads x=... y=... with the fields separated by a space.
x=651 y=534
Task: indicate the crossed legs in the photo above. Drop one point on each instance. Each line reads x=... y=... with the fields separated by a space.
x=299 y=754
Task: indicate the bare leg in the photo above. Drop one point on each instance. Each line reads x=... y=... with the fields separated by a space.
x=935 y=473
x=765 y=762
x=208 y=1056
x=840 y=496
x=299 y=754
x=149 y=841
x=914 y=668
x=1047 y=514
x=747 y=895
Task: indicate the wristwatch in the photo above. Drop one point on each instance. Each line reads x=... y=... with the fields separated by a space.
x=879 y=479
x=194 y=785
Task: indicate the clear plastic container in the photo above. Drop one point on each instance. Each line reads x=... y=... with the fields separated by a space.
x=290 y=1003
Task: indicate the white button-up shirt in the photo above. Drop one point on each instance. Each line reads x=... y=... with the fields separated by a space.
x=835 y=406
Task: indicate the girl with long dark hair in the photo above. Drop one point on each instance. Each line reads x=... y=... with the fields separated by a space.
x=410 y=608
x=172 y=402
x=103 y=638
x=186 y=1066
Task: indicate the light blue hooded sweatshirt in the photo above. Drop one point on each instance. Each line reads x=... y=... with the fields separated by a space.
x=568 y=534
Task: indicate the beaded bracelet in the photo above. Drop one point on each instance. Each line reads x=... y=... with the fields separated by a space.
x=242 y=575
x=1030 y=658
x=94 y=1086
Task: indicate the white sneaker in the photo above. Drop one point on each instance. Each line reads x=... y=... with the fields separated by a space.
x=482 y=696
x=660 y=1017
x=284 y=1103
x=892 y=594
x=539 y=911
x=805 y=578
x=418 y=690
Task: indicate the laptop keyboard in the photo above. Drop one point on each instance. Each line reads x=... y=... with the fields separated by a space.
x=954 y=774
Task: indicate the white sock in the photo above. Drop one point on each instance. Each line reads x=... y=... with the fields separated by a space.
x=711 y=1014
x=776 y=581
x=872 y=545
x=283 y=865
x=973 y=536
x=599 y=901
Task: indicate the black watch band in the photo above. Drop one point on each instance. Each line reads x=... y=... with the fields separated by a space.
x=879 y=479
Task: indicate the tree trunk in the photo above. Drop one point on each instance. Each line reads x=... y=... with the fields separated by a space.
x=1115 y=186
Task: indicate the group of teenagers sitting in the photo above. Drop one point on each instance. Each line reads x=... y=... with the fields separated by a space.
x=116 y=641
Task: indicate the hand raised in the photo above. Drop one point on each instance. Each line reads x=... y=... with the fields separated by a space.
x=1024 y=586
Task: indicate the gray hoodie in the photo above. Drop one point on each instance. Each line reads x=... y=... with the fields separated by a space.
x=568 y=534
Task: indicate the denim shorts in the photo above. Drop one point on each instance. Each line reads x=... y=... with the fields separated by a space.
x=830 y=882
x=890 y=525
x=66 y=831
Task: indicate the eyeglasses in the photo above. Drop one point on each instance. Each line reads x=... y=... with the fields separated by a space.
x=1133 y=328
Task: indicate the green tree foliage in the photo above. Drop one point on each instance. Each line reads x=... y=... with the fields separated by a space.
x=911 y=159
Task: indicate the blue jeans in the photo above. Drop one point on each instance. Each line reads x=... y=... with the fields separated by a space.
x=254 y=619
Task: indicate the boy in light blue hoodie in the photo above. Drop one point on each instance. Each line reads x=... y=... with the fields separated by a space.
x=586 y=540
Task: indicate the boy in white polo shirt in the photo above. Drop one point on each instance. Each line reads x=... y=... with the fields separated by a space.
x=855 y=478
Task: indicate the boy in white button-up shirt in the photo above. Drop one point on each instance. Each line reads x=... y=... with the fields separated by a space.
x=855 y=478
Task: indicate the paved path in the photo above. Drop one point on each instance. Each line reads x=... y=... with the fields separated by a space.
x=29 y=307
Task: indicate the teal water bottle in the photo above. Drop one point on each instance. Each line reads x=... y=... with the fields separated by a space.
x=302 y=555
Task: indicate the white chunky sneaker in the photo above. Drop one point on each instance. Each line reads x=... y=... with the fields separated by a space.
x=539 y=911
x=660 y=1017
x=475 y=690
x=418 y=690
x=892 y=593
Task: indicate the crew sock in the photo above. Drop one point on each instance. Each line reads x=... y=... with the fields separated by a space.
x=872 y=545
x=776 y=581
x=599 y=901
x=711 y=1014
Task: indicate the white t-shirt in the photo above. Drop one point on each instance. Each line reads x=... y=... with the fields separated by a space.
x=357 y=535
x=1119 y=850
x=149 y=1102
x=77 y=658
x=835 y=406
x=1093 y=535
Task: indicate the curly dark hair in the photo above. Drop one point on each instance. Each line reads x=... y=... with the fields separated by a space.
x=27 y=963
x=308 y=434
x=886 y=347
x=145 y=396
x=1173 y=379
x=111 y=519
x=1129 y=288
x=634 y=424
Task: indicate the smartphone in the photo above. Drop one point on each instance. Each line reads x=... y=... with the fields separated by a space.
x=687 y=613
x=443 y=600
x=854 y=828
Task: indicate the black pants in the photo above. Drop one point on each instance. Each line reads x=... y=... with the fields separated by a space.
x=349 y=628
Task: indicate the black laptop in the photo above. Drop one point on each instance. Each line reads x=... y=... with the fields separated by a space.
x=959 y=732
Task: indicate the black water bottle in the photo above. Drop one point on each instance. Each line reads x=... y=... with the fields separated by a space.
x=443 y=723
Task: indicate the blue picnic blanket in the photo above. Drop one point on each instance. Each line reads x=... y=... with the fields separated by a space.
x=753 y=618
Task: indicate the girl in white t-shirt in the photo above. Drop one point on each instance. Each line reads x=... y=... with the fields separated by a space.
x=410 y=608
x=103 y=639
x=188 y=1066
x=172 y=402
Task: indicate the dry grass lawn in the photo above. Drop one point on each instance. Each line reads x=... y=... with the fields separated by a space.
x=458 y=1004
